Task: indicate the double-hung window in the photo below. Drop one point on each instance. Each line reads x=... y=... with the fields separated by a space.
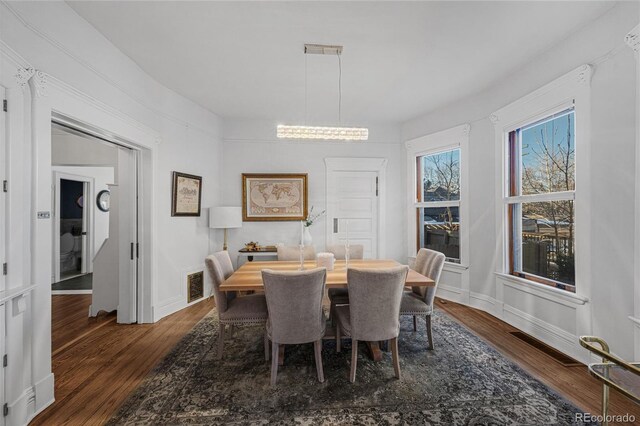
x=438 y=202
x=540 y=200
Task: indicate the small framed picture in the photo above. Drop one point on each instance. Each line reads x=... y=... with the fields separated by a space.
x=186 y=195
x=274 y=197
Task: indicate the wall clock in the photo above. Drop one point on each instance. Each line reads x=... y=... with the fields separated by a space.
x=102 y=200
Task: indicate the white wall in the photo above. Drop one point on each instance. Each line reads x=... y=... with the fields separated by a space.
x=251 y=147
x=612 y=169
x=110 y=91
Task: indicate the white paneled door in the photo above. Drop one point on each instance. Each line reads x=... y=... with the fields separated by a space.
x=352 y=202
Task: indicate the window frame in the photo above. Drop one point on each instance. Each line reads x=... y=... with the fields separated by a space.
x=442 y=141
x=571 y=89
x=436 y=204
x=514 y=200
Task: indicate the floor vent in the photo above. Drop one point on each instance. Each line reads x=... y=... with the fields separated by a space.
x=557 y=356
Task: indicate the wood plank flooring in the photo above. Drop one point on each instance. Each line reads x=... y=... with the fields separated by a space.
x=574 y=383
x=96 y=372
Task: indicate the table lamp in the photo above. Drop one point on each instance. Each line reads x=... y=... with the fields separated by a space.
x=225 y=218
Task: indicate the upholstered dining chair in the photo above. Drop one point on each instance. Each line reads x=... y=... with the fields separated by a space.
x=295 y=323
x=293 y=253
x=419 y=301
x=232 y=309
x=373 y=311
x=356 y=251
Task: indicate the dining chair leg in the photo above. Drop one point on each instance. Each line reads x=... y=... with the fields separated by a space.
x=266 y=346
x=337 y=337
x=415 y=323
x=396 y=358
x=221 y=341
x=274 y=362
x=429 y=334
x=317 y=348
x=354 y=360
x=231 y=330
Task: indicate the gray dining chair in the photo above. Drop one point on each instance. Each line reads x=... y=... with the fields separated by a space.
x=373 y=311
x=290 y=253
x=294 y=300
x=233 y=309
x=419 y=301
x=356 y=252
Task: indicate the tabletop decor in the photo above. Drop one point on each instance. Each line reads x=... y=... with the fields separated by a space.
x=186 y=195
x=252 y=246
x=307 y=240
x=274 y=197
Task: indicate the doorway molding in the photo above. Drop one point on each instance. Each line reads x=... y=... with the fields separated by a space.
x=87 y=245
x=359 y=164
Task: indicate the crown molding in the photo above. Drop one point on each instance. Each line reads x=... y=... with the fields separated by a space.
x=633 y=38
x=40 y=83
x=23 y=75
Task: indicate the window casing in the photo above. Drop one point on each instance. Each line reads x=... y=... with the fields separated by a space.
x=437 y=205
x=540 y=200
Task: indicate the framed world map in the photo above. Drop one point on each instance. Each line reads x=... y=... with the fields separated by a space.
x=274 y=197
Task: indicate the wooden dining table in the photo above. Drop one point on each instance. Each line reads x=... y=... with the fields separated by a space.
x=249 y=278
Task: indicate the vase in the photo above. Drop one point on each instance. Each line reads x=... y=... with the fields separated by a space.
x=306 y=239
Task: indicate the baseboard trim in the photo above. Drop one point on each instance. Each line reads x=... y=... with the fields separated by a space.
x=553 y=336
x=63 y=292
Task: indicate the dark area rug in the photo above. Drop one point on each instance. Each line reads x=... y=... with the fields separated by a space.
x=463 y=381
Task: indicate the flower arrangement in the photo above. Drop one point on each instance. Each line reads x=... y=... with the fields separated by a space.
x=311 y=218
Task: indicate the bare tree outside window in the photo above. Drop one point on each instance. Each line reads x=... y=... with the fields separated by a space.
x=440 y=179
x=548 y=166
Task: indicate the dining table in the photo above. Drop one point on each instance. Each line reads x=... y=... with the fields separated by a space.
x=248 y=277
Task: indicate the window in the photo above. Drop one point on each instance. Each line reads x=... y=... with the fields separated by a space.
x=438 y=202
x=540 y=200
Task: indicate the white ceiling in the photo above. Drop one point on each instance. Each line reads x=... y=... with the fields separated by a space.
x=400 y=59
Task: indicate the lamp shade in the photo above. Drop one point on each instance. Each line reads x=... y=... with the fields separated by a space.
x=225 y=217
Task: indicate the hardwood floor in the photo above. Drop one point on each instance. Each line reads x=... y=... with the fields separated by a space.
x=574 y=383
x=97 y=372
x=98 y=363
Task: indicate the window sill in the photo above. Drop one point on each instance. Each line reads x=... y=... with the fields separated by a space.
x=455 y=267
x=542 y=290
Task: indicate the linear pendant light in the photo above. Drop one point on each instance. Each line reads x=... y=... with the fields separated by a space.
x=323 y=132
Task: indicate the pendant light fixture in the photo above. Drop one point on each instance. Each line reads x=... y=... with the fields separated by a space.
x=322 y=132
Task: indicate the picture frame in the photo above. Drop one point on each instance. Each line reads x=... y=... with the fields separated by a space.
x=186 y=195
x=274 y=197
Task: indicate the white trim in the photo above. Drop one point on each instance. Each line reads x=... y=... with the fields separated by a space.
x=543 y=291
x=435 y=204
x=572 y=89
x=63 y=292
x=455 y=137
x=632 y=39
x=537 y=198
x=455 y=267
x=87 y=249
x=361 y=164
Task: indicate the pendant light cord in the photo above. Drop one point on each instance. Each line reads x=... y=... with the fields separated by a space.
x=339 y=88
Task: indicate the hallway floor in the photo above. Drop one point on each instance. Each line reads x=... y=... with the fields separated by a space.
x=80 y=282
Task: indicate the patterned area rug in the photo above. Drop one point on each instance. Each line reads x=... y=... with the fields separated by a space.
x=462 y=382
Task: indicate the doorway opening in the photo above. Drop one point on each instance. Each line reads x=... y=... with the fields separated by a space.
x=94 y=279
x=73 y=260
